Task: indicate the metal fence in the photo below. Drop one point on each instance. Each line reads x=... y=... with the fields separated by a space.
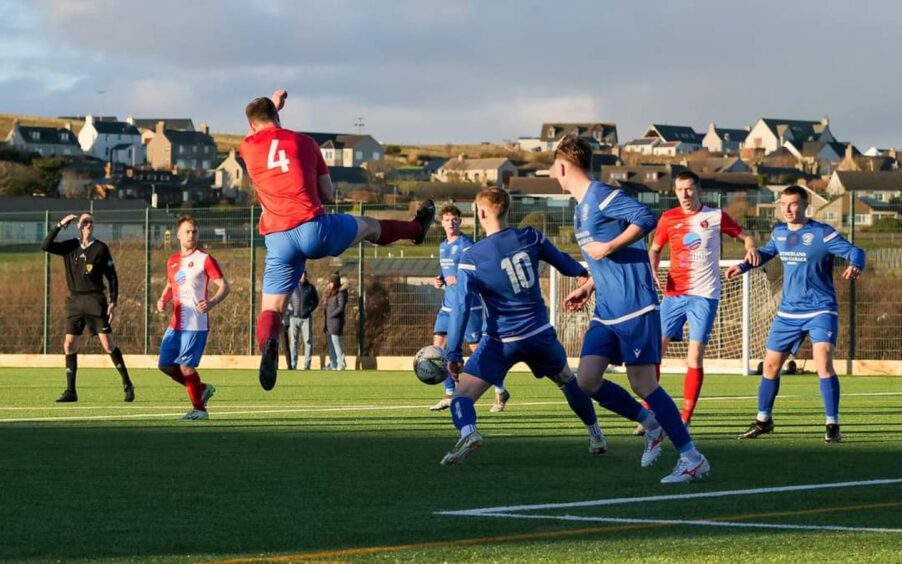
x=390 y=285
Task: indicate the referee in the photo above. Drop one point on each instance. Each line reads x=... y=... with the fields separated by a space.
x=87 y=262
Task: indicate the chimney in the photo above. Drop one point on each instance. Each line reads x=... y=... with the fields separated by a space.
x=232 y=153
x=161 y=125
x=893 y=154
x=204 y=128
x=68 y=125
x=711 y=127
x=460 y=157
x=89 y=119
x=825 y=121
x=848 y=151
x=130 y=120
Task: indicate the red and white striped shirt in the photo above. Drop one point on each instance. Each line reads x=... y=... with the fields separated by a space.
x=189 y=276
x=694 y=249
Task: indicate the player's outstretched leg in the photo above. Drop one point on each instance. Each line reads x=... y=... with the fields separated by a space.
x=463 y=414
x=269 y=324
x=391 y=230
x=581 y=404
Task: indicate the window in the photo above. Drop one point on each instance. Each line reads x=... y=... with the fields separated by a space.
x=620 y=175
x=206 y=149
x=328 y=154
x=358 y=155
x=878 y=196
x=181 y=149
x=860 y=219
x=651 y=176
x=36 y=135
x=377 y=155
x=648 y=197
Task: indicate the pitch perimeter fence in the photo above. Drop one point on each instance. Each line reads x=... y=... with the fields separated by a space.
x=392 y=303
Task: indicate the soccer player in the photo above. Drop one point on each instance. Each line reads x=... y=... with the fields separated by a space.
x=626 y=323
x=692 y=291
x=450 y=250
x=291 y=181
x=188 y=274
x=808 y=306
x=503 y=270
x=87 y=262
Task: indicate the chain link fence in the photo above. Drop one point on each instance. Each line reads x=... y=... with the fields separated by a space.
x=391 y=285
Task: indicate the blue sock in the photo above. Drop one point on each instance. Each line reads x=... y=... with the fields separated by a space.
x=614 y=398
x=668 y=416
x=463 y=414
x=579 y=402
x=830 y=393
x=767 y=395
x=449 y=386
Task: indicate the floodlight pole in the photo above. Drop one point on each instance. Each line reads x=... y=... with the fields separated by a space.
x=46 y=336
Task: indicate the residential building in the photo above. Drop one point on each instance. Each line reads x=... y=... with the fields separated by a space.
x=721 y=140
x=481 y=171
x=184 y=150
x=598 y=135
x=148 y=126
x=770 y=134
x=230 y=173
x=868 y=211
x=882 y=186
x=717 y=164
x=113 y=141
x=344 y=149
x=45 y=141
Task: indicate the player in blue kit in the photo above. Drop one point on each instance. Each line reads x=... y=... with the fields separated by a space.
x=450 y=251
x=808 y=307
x=503 y=270
x=626 y=323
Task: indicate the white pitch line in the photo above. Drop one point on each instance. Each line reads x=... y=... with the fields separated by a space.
x=630 y=500
x=698 y=523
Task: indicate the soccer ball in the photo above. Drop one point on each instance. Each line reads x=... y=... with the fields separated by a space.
x=429 y=365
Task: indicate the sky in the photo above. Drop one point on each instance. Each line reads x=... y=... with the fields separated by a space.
x=431 y=71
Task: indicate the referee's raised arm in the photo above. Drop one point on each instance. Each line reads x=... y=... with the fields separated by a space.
x=49 y=244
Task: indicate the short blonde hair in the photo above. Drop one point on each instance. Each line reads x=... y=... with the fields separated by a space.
x=495 y=198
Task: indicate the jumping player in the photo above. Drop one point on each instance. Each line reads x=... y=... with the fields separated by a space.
x=626 y=324
x=808 y=306
x=450 y=251
x=188 y=273
x=291 y=181
x=87 y=261
x=692 y=291
x=503 y=270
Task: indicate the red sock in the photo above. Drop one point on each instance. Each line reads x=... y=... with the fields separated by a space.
x=692 y=387
x=658 y=379
x=395 y=230
x=269 y=324
x=195 y=390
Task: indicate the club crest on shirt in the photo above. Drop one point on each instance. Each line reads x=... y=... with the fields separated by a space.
x=808 y=238
x=704 y=224
x=190 y=264
x=89 y=267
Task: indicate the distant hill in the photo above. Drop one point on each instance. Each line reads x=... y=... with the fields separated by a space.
x=6 y=123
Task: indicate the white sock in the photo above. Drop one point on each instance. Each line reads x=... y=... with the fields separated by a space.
x=650 y=422
x=763 y=417
x=833 y=420
x=466 y=430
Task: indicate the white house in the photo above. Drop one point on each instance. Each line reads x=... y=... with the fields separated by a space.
x=113 y=141
x=481 y=171
x=722 y=140
x=230 y=172
x=598 y=135
x=770 y=134
x=643 y=145
x=46 y=141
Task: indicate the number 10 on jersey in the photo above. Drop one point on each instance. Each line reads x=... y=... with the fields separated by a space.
x=519 y=270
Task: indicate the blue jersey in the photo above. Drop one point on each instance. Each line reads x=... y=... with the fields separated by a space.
x=624 y=283
x=449 y=256
x=807 y=256
x=503 y=269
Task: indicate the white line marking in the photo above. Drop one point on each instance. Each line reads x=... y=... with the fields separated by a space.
x=630 y=500
x=699 y=523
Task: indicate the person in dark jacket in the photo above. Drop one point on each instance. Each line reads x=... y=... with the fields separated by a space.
x=336 y=302
x=88 y=262
x=303 y=300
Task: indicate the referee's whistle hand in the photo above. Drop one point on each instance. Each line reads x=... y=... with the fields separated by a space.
x=67 y=220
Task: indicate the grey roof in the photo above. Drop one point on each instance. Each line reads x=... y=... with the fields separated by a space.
x=116 y=128
x=608 y=131
x=96 y=118
x=802 y=130
x=48 y=135
x=177 y=137
x=121 y=146
x=715 y=164
x=338 y=140
x=643 y=141
x=475 y=164
x=682 y=133
x=870 y=181
x=731 y=134
x=182 y=124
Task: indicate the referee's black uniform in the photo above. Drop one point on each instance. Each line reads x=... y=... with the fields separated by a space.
x=86 y=305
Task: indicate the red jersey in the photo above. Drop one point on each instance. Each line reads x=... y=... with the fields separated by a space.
x=283 y=166
x=694 y=249
x=189 y=276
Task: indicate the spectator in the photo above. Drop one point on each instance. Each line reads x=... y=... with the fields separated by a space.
x=336 y=302
x=303 y=301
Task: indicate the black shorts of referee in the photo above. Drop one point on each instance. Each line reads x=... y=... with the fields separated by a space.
x=87 y=310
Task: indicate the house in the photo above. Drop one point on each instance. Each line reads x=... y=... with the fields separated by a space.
x=148 y=126
x=673 y=148
x=721 y=140
x=868 y=211
x=481 y=171
x=349 y=179
x=530 y=144
x=770 y=210
x=537 y=187
x=45 y=141
x=854 y=161
x=646 y=183
x=691 y=141
x=113 y=141
x=172 y=148
x=769 y=134
x=718 y=164
x=882 y=186
x=598 y=135
x=343 y=149
x=642 y=145
x=819 y=157
x=229 y=174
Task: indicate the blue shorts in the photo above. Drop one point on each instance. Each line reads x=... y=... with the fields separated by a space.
x=698 y=311
x=635 y=341
x=492 y=359
x=182 y=347
x=474 y=324
x=327 y=235
x=787 y=334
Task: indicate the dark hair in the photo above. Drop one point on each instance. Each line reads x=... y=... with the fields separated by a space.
x=261 y=110
x=575 y=151
x=448 y=208
x=689 y=175
x=795 y=190
x=185 y=219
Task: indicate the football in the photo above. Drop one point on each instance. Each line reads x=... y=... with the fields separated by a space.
x=429 y=365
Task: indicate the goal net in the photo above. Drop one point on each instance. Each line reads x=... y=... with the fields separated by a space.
x=747 y=308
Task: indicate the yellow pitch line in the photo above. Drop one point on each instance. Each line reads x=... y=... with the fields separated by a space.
x=331 y=554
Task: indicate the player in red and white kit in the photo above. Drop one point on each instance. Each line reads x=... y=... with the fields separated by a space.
x=692 y=293
x=291 y=180
x=188 y=274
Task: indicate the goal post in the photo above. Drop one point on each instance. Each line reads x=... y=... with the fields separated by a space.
x=746 y=310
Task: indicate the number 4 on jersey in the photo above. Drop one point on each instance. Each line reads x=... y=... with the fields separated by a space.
x=271 y=161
